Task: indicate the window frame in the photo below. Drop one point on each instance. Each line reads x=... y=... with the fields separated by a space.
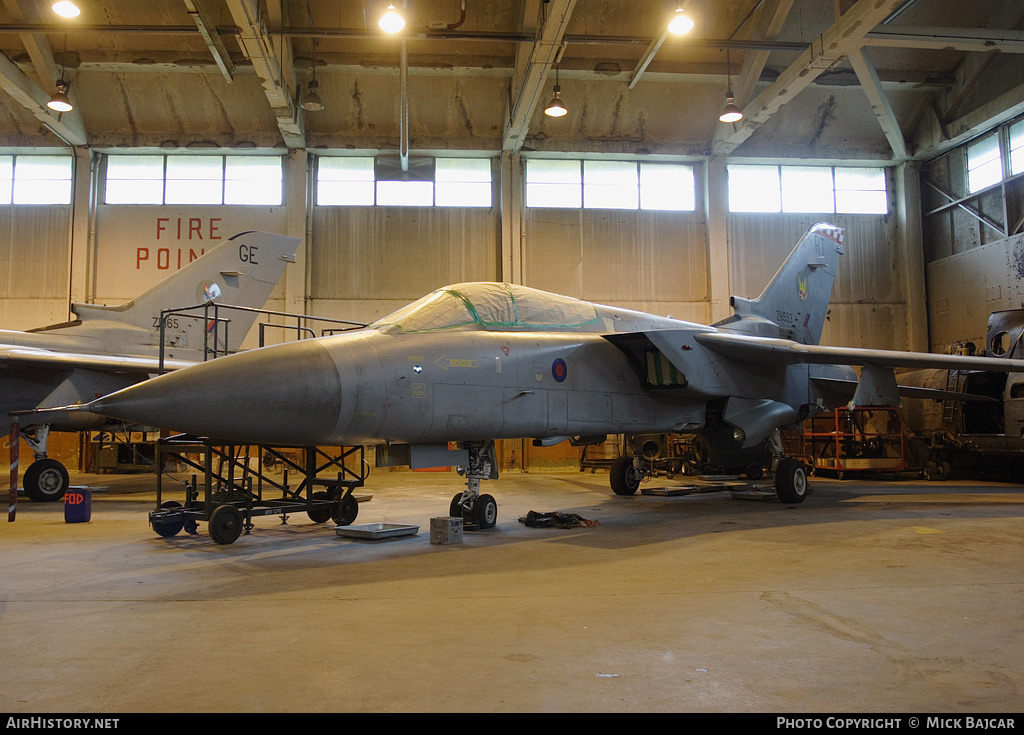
x=169 y=185
x=16 y=190
x=366 y=190
x=782 y=202
x=548 y=190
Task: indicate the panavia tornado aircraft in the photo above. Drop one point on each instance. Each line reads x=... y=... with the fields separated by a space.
x=438 y=381
x=110 y=347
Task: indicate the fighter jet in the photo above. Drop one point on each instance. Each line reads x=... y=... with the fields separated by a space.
x=435 y=383
x=107 y=348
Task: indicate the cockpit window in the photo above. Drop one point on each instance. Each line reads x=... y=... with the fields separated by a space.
x=494 y=307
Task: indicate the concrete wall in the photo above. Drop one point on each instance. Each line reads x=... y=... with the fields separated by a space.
x=964 y=288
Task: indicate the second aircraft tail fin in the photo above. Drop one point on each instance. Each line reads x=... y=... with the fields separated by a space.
x=241 y=271
x=794 y=303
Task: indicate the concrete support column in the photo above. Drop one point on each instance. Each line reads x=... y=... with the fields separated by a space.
x=510 y=215
x=80 y=240
x=910 y=245
x=716 y=225
x=298 y=192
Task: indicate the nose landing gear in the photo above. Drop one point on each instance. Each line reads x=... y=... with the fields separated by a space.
x=479 y=512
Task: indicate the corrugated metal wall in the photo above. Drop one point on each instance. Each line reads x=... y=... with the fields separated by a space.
x=33 y=265
x=365 y=262
x=650 y=261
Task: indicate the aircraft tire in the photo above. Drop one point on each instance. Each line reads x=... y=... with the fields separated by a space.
x=623 y=475
x=791 y=481
x=46 y=480
x=455 y=510
x=225 y=524
x=167 y=529
x=485 y=512
x=348 y=509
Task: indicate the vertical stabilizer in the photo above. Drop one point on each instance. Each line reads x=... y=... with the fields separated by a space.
x=794 y=303
x=241 y=271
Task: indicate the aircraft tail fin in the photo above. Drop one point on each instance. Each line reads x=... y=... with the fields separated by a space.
x=794 y=303
x=241 y=271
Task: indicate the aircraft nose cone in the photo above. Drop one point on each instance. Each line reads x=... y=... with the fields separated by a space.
x=287 y=394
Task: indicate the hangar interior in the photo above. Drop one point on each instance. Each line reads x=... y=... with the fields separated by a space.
x=412 y=160
x=432 y=161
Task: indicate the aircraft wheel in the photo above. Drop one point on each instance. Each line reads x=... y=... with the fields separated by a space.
x=320 y=515
x=167 y=529
x=455 y=510
x=791 y=481
x=624 y=477
x=46 y=480
x=753 y=472
x=485 y=512
x=937 y=471
x=348 y=509
x=225 y=524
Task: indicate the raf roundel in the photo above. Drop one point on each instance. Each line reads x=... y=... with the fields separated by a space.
x=559 y=370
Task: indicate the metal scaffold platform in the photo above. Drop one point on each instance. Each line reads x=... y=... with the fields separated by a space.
x=233 y=485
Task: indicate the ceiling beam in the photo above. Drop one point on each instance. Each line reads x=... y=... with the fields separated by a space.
x=840 y=40
x=652 y=50
x=542 y=57
x=943 y=39
x=258 y=47
x=768 y=28
x=872 y=86
x=208 y=30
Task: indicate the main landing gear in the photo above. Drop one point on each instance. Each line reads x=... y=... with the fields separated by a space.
x=479 y=512
x=791 y=485
x=46 y=480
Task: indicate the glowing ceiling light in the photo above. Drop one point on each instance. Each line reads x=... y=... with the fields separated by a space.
x=681 y=23
x=391 y=21
x=66 y=8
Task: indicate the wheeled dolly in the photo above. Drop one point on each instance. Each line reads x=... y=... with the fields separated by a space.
x=233 y=493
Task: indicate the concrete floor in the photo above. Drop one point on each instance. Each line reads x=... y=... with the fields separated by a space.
x=869 y=597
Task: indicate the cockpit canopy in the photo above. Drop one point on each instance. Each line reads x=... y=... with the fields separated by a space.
x=495 y=307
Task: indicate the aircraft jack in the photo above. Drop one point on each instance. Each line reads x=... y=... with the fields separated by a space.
x=230 y=501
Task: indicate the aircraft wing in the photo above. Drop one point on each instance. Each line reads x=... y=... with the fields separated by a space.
x=32 y=357
x=849 y=387
x=784 y=352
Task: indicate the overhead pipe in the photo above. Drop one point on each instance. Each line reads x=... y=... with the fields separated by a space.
x=403 y=150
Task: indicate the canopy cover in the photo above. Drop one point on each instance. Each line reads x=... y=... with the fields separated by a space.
x=494 y=307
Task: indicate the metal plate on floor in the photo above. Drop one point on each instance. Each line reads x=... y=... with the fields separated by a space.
x=666 y=491
x=376 y=530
